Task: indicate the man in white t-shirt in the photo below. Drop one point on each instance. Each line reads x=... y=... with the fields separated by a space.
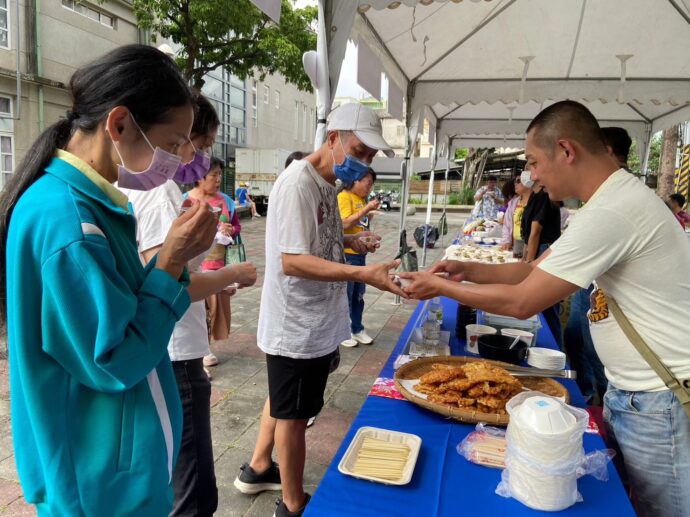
x=624 y=239
x=304 y=311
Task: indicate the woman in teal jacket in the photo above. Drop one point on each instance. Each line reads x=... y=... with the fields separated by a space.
x=96 y=415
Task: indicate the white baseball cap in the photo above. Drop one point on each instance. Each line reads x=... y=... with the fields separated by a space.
x=363 y=122
x=167 y=50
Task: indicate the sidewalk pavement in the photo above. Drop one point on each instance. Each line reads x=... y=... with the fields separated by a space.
x=240 y=384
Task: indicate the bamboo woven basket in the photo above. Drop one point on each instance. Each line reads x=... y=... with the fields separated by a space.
x=415 y=369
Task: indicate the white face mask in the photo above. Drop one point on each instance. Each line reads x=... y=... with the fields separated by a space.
x=526 y=178
x=163 y=167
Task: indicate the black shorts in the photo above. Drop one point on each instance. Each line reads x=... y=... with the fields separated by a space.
x=296 y=386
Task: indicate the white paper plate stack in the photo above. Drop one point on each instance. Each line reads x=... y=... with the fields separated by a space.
x=546 y=358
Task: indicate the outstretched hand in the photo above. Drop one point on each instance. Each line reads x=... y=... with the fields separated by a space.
x=453 y=270
x=379 y=276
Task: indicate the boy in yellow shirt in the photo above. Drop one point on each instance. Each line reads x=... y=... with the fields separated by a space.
x=356 y=215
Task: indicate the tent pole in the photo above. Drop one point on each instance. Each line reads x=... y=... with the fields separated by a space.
x=647 y=146
x=430 y=194
x=405 y=166
x=323 y=91
x=403 y=205
x=445 y=188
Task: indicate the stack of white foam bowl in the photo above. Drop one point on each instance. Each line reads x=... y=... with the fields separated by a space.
x=544 y=450
x=546 y=358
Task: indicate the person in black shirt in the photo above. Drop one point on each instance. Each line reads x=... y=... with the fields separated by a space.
x=541 y=223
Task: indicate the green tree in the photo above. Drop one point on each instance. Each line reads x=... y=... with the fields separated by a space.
x=654 y=156
x=461 y=153
x=233 y=34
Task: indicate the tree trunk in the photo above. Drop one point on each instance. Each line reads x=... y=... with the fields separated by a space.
x=667 y=167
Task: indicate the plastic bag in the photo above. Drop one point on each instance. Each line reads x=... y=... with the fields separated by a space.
x=542 y=468
x=431 y=235
x=443 y=225
x=407 y=256
x=485 y=446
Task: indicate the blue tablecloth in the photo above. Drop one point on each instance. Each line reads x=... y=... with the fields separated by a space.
x=444 y=483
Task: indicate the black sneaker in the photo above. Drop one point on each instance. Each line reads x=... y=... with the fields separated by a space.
x=249 y=482
x=282 y=511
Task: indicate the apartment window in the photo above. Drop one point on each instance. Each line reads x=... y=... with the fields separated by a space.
x=276 y=96
x=296 y=128
x=4 y=24
x=255 y=108
x=267 y=94
x=6 y=140
x=236 y=96
x=237 y=117
x=304 y=122
x=87 y=11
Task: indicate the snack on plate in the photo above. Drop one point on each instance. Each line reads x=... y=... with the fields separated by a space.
x=381 y=459
x=476 y=385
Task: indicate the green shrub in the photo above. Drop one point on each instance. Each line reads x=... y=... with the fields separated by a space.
x=454 y=199
x=467 y=195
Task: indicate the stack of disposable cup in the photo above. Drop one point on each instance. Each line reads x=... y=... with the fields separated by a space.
x=544 y=450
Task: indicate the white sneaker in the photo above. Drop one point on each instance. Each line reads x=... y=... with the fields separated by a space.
x=210 y=360
x=349 y=343
x=208 y=373
x=363 y=338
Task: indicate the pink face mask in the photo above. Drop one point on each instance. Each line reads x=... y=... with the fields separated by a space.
x=163 y=167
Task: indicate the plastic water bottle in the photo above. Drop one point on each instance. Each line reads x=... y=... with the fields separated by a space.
x=436 y=308
x=431 y=330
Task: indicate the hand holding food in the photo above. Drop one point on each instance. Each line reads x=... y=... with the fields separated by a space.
x=423 y=285
x=190 y=235
x=244 y=273
x=455 y=269
x=379 y=276
x=363 y=242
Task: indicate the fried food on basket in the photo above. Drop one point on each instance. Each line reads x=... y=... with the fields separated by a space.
x=439 y=366
x=480 y=372
x=450 y=398
x=425 y=388
x=492 y=402
x=456 y=385
x=476 y=385
x=438 y=376
x=466 y=402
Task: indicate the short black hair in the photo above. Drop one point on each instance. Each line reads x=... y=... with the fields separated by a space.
x=492 y=178
x=216 y=162
x=678 y=198
x=567 y=119
x=619 y=141
x=295 y=155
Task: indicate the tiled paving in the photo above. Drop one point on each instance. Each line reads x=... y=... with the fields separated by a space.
x=239 y=382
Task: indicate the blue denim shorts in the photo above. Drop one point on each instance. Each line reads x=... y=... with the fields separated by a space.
x=653 y=433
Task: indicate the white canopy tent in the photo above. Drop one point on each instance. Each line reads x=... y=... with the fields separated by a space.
x=478 y=71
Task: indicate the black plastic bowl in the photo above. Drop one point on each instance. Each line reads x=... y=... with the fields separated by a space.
x=496 y=347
